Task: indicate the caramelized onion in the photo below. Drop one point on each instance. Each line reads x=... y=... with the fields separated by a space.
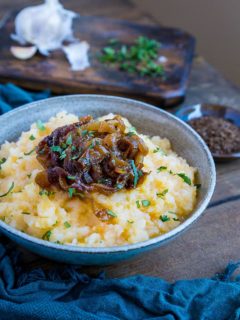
x=92 y=155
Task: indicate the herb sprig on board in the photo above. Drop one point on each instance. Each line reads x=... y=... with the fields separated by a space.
x=139 y=58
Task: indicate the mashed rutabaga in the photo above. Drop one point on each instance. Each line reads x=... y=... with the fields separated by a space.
x=165 y=198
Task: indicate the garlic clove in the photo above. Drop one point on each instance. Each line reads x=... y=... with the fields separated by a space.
x=46 y=26
x=23 y=53
x=77 y=55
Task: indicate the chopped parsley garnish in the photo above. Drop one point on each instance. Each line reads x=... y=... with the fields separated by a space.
x=30 y=152
x=58 y=242
x=140 y=57
x=164 y=218
x=24 y=212
x=71 y=177
x=130 y=221
x=63 y=155
x=84 y=133
x=29 y=175
x=32 y=137
x=138 y=204
x=162 y=194
x=131 y=133
x=158 y=149
x=40 y=125
x=135 y=172
x=56 y=149
x=69 y=140
x=162 y=168
x=9 y=190
x=67 y=224
x=146 y=203
x=111 y=213
x=175 y=219
x=47 y=235
x=71 y=192
x=45 y=192
x=2 y=161
x=185 y=178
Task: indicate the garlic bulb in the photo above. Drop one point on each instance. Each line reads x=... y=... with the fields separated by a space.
x=46 y=26
x=77 y=55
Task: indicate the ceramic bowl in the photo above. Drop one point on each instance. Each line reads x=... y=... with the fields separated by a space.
x=188 y=113
x=148 y=120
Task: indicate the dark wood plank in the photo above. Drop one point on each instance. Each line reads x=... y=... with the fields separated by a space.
x=214 y=240
x=54 y=71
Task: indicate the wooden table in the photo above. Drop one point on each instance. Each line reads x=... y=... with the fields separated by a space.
x=215 y=239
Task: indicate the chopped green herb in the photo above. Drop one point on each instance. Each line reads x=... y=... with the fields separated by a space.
x=2 y=161
x=32 y=137
x=47 y=235
x=140 y=57
x=67 y=224
x=40 y=125
x=71 y=192
x=111 y=213
x=164 y=218
x=162 y=168
x=71 y=177
x=24 y=212
x=146 y=203
x=69 y=140
x=162 y=194
x=185 y=178
x=130 y=221
x=58 y=242
x=84 y=133
x=56 y=149
x=130 y=134
x=30 y=152
x=197 y=185
x=45 y=192
x=135 y=172
x=175 y=219
x=63 y=155
x=158 y=149
x=171 y=172
x=9 y=190
x=29 y=175
x=138 y=204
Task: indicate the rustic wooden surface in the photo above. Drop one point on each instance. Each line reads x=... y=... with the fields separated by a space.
x=54 y=71
x=214 y=240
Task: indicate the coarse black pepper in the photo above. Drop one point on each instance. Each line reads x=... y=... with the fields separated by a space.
x=221 y=136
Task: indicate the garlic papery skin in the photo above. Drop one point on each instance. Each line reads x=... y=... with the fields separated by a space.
x=46 y=26
x=77 y=55
x=23 y=53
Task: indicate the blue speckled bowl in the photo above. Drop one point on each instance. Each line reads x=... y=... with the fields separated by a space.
x=147 y=119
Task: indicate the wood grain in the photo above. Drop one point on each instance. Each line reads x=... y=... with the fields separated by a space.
x=54 y=71
x=214 y=240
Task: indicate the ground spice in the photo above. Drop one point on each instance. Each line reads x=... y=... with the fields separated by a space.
x=221 y=136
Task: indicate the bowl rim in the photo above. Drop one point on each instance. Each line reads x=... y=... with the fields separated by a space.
x=128 y=247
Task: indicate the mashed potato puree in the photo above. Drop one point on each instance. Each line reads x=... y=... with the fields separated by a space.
x=156 y=206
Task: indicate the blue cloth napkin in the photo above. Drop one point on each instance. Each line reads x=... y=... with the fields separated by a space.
x=67 y=294
x=12 y=96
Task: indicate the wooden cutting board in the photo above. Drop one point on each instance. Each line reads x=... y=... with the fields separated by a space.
x=54 y=71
